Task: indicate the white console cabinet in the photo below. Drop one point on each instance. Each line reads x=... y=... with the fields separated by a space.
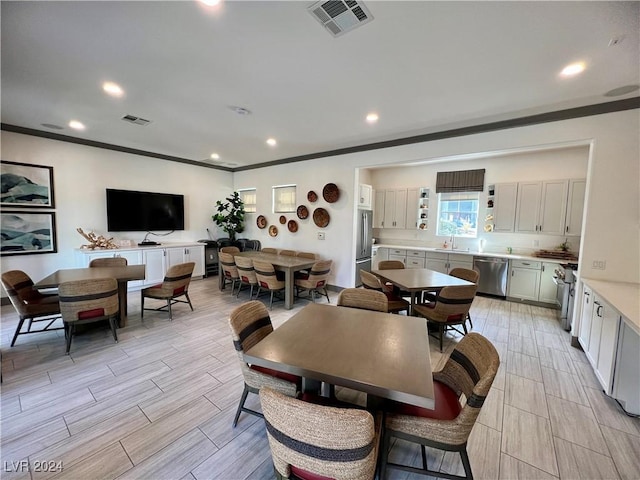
x=157 y=259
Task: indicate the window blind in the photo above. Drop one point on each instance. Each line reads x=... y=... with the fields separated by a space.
x=284 y=199
x=460 y=181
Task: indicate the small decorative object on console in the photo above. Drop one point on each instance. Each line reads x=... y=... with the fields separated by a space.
x=98 y=241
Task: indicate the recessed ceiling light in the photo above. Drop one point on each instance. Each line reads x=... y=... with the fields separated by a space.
x=76 y=125
x=573 y=69
x=210 y=3
x=112 y=89
x=215 y=156
x=372 y=118
x=271 y=142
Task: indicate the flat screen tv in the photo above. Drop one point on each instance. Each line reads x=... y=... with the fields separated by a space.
x=131 y=211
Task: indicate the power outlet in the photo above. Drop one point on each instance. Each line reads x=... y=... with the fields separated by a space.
x=320 y=235
x=536 y=243
x=599 y=264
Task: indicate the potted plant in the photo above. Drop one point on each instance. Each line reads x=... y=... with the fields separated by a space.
x=230 y=215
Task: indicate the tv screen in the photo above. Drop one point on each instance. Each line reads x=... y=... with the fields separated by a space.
x=130 y=211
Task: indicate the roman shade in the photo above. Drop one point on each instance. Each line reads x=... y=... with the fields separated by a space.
x=460 y=181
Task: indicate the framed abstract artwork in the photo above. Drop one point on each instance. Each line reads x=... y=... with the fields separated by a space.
x=23 y=233
x=25 y=186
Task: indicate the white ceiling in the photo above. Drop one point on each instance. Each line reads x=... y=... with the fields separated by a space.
x=422 y=66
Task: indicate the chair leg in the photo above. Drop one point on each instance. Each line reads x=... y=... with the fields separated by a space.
x=69 y=336
x=112 y=322
x=141 y=306
x=243 y=398
x=424 y=456
x=271 y=301
x=15 y=335
x=441 y=334
x=386 y=443
x=186 y=294
x=169 y=308
x=326 y=294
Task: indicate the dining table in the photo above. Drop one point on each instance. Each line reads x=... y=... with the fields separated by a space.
x=416 y=280
x=122 y=274
x=381 y=354
x=283 y=263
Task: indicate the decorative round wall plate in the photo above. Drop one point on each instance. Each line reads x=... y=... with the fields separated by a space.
x=331 y=193
x=312 y=196
x=303 y=212
x=321 y=217
x=261 y=221
x=292 y=225
x=283 y=219
x=273 y=231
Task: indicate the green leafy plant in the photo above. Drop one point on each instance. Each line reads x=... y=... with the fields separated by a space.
x=230 y=215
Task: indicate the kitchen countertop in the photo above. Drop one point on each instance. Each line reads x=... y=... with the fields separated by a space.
x=622 y=296
x=475 y=253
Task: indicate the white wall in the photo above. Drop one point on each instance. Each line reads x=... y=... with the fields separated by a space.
x=611 y=231
x=81 y=175
x=548 y=164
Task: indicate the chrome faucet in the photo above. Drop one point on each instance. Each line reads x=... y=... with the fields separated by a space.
x=453 y=242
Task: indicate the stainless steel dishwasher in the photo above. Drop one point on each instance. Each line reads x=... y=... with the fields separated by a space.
x=493 y=275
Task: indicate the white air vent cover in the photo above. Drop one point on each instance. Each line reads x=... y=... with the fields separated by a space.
x=136 y=120
x=339 y=16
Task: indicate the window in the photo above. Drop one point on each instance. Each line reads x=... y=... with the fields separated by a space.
x=249 y=199
x=458 y=214
x=284 y=199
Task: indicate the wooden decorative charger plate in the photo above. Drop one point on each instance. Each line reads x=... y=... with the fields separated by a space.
x=283 y=219
x=321 y=217
x=261 y=221
x=303 y=212
x=331 y=193
x=312 y=196
x=273 y=231
x=292 y=225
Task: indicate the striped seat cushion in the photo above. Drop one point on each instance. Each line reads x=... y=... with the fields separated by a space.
x=447 y=405
x=305 y=475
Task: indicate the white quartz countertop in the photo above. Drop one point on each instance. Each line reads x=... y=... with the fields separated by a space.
x=472 y=253
x=624 y=297
x=146 y=247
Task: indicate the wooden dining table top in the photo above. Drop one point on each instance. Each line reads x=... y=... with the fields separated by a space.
x=418 y=279
x=286 y=261
x=381 y=354
x=122 y=274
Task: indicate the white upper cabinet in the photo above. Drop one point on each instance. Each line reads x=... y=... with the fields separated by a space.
x=553 y=207
x=528 y=207
x=395 y=208
x=504 y=207
x=365 y=194
x=378 y=209
x=575 y=207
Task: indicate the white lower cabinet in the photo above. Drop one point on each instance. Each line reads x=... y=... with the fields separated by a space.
x=605 y=324
x=584 y=331
x=524 y=280
x=548 y=291
x=445 y=262
x=177 y=255
x=155 y=263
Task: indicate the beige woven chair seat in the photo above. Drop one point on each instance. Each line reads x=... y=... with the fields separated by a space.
x=30 y=304
x=470 y=370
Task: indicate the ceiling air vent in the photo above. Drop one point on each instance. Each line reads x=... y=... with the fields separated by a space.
x=340 y=16
x=136 y=120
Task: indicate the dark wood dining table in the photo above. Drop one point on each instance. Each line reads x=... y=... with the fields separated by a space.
x=121 y=274
x=383 y=355
x=416 y=280
x=284 y=263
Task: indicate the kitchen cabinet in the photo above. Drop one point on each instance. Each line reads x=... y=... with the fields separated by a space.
x=575 y=207
x=154 y=260
x=445 y=262
x=585 y=317
x=399 y=255
x=415 y=259
x=396 y=208
x=501 y=207
x=177 y=255
x=133 y=257
x=524 y=280
x=365 y=196
x=548 y=291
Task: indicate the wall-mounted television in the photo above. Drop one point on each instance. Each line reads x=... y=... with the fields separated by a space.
x=131 y=211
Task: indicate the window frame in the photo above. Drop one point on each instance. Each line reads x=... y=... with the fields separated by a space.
x=283 y=206
x=458 y=196
x=249 y=206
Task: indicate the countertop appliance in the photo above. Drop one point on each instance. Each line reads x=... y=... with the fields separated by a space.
x=493 y=275
x=364 y=242
x=564 y=278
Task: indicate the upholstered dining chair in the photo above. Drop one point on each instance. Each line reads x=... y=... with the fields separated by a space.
x=267 y=279
x=175 y=285
x=230 y=249
x=288 y=253
x=249 y=324
x=108 y=262
x=470 y=276
x=310 y=255
x=469 y=370
x=395 y=303
x=363 y=299
x=316 y=281
x=450 y=309
x=390 y=265
x=269 y=250
x=88 y=301
x=310 y=441
x=229 y=270
x=31 y=305
x=247 y=274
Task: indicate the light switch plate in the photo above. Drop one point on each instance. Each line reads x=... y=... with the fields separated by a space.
x=320 y=235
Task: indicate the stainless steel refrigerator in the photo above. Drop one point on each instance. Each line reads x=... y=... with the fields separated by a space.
x=364 y=240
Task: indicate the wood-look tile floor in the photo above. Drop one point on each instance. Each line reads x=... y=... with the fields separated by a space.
x=159 y=403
